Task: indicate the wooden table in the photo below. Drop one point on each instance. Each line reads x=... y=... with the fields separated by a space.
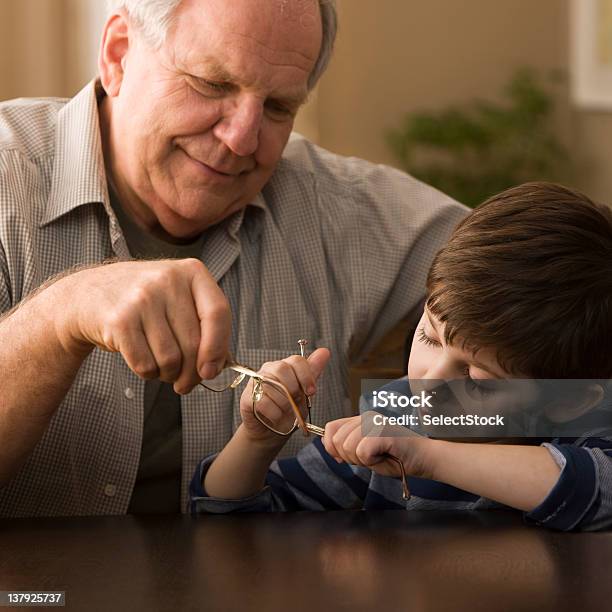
x=353 y=561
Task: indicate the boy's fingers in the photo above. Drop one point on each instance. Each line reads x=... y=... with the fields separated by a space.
x=369 y=451
x=304 y=380
x=336 y=433
x=247 y=394
x=285 y=374
x=328 y=439
x=352 y=436
x=318 y=360
x=330 y=431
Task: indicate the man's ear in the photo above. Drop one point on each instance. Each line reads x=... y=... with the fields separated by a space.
x=575 y=405
x=113 y=53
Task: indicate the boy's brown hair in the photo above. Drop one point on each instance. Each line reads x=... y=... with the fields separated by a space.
x=529 y=274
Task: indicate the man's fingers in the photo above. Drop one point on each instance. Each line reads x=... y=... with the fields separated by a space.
x=162 y=343
x=185 y=325
x=215 y=318
x=137 y=354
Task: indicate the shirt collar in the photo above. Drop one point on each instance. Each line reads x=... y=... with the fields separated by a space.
x=79 y=176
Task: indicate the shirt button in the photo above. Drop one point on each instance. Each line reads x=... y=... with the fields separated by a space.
x=110 y=490
x=129 y=393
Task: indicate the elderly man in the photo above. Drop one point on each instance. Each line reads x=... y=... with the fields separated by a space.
x=163 y=218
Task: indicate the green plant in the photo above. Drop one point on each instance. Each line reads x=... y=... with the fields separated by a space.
x=475 y=151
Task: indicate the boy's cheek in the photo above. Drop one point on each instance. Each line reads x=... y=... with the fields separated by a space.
x=419 y=361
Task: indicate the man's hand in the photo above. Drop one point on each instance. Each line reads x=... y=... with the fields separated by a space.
x=298 y=374
x=168 y=319
x=345 y=440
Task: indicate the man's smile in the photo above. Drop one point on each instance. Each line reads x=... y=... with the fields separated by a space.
x=213 y=171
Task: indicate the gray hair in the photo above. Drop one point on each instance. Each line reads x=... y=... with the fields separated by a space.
x=154 y=18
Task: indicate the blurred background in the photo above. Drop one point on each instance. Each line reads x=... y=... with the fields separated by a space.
x=471 y=96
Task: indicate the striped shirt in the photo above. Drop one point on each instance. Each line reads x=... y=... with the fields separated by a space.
x=313 y=480
x=333 y=249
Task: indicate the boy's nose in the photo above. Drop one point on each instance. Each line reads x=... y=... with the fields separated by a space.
x=444 y=369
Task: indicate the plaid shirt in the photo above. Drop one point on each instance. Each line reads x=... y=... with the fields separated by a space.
x=335 y=250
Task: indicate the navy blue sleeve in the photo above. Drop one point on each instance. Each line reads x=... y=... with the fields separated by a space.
x=582 y=497
x=312 y=480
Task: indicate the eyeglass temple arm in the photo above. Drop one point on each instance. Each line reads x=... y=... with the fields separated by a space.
x=308 y=428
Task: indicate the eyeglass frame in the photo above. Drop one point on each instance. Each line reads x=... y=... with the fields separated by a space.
x=258 y=379
x=308 y=428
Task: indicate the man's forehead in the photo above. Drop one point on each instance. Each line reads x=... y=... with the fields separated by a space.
x=269 y=21
x=306 y=12
x=243 y=32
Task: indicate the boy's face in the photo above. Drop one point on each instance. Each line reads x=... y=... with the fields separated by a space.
x=432 y=358
x=434 y=362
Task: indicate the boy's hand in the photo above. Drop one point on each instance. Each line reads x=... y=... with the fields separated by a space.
x=298 y=374
x=345 y=441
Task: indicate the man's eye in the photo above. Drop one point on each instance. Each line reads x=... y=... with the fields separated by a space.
x=279 y=109
x=207 y=88
x=425 y=339
x=217 y=87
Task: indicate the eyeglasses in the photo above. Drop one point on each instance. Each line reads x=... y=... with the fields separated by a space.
x=234 y=373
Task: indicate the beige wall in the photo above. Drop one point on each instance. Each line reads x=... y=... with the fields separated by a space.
x=47 y=47
x=392 y=57
x=396 y=56
x=32 y=48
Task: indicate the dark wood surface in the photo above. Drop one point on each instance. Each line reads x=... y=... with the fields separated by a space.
x=391 y=560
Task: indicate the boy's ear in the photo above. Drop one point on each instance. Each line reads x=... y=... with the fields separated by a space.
x=575 y=405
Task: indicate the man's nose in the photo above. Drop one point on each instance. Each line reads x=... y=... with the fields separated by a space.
x=240 y=127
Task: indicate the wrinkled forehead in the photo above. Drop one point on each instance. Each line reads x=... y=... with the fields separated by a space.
x=304 y=13
x=281 y=32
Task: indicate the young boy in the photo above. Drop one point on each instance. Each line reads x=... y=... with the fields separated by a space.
x=522 y=290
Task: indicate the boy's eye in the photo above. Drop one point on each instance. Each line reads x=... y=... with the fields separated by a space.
x=475 y=386
x=425 y=339
x=480 y=389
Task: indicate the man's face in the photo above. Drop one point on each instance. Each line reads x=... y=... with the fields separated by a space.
x=199 y=125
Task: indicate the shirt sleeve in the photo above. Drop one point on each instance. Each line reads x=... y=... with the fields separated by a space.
x=382 y=228
x=5 y=294
x=312 y=480
x=582 y=497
